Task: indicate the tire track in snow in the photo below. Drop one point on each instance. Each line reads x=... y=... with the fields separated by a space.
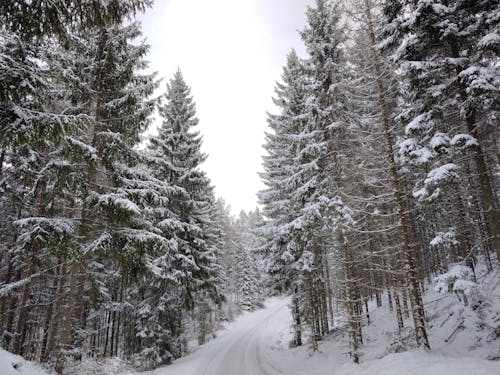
x=244 y=352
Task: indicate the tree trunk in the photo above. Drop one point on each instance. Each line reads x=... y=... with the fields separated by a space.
x=367 y=312
x=311 y=317
x=296 y=316
x=351 y=295
x=16 y=345
x=4 y=300
x=17 y=340
x=328 y=286
x=399 y=314
x=2 y=158
x=50 y=337
x=488 y=201
x=49 y=317
x=410 y=266
x=67 y=323
x=487 y=198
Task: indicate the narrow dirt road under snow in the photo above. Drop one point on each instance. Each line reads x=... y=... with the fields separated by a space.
x=242 y=349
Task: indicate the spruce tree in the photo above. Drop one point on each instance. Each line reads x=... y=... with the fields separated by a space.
x=282 y=145
x=450 y=80
x=175 y=157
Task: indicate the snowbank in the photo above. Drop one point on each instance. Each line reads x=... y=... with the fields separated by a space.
x=11 y=364
x=417 y=362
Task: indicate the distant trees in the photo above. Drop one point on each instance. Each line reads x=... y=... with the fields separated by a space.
x=245 y=281
x=381 y=159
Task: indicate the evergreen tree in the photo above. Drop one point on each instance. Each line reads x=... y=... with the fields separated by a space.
x=177 y=159
x=249 y=279
x=319 y=161
x=282 y=146
x=192 y=269
x=450 y=111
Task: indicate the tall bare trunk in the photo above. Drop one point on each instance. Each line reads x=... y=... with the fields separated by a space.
x=55 y=317
x=489 y=206
x=2 y=158
x=409 y=256
x=351 y=295
x=67 y=323
x=16 y=344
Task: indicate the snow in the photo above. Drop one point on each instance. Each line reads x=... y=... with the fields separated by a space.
x=257 y=343
x=241 y=349
x=89 y=151
x=442 y=174
x=464 y=140
x=88 y=366
x=39 y=224
x=489 y=41
x=119 y=202
x=465 y=286
x=417 y=362
x=10 y=288
x=479 y=78
x=440 y=9
x=420 y=123
x=9 y=360
x=459 y=280
x=439 y=140
x=447 y=238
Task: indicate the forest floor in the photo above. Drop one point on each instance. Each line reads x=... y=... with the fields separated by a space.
x=464 y=342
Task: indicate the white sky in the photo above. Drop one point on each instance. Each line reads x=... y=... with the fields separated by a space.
x=230 y=52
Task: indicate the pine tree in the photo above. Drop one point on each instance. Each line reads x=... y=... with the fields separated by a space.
x=318 y=163
x=178 y=152
x=111 y=226
x=175 y=157
x=282 y=145
x=31 y=20
x=377 y=92
x=301 y=166
x=450 y=82
x=90 y=193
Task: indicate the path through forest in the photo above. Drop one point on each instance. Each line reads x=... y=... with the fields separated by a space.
x=242 y=349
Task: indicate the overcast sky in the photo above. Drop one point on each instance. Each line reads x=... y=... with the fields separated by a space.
x=231 y=52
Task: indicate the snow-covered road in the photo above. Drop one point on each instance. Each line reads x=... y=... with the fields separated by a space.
x=242 y=349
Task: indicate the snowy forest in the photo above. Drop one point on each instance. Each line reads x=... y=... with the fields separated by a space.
x=382 y=183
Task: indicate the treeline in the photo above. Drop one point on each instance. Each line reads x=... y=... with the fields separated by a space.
x=383 y=159
x=109 y=246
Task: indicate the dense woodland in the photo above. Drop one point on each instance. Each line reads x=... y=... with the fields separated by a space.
x=383 y=165
x=111 y=244
x=382 y=172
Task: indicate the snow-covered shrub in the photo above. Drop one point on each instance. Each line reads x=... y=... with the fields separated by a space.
x=445 y=239
x=459 y=280
x=402 y=342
